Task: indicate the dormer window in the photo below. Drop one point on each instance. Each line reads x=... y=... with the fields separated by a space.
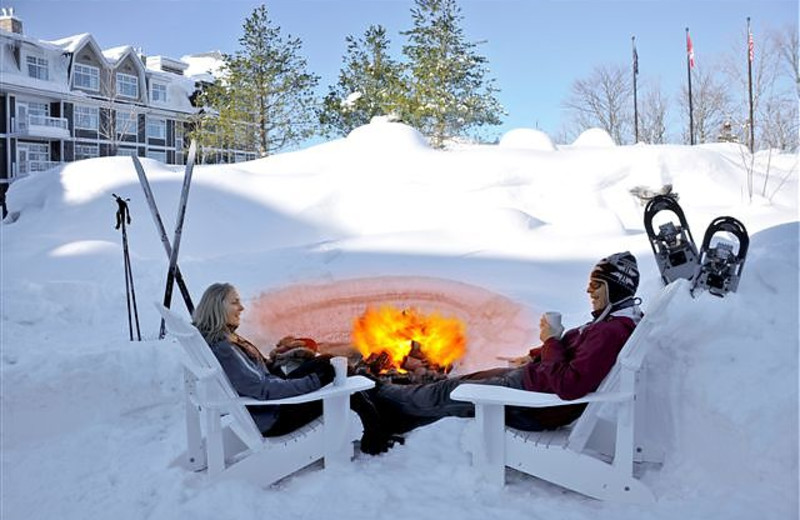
x=87 y=77
x=158 y=93
x=37 y=68
x=127 y=85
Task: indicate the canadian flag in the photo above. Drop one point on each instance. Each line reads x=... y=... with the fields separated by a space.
x=751 y=48
x=689 y=49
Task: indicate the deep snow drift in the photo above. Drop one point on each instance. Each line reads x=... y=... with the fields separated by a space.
x=92 y=424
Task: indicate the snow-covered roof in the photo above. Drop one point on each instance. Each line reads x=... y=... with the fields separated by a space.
x=115 y=54
x=164 y=63
x=72 y=43
x=206 y=66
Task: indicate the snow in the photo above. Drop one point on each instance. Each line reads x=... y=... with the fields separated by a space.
x=204 y=67
x=92 y=424
x=594 y=137
x=528 y=139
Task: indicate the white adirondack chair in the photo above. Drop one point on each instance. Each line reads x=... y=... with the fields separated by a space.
x=223 y=438
x=596 y=455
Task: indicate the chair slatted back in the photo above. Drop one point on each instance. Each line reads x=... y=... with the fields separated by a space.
x=631 y=358
x=199 y=359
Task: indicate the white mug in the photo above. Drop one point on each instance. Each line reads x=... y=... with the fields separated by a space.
x=340 y=367
x=554 y=320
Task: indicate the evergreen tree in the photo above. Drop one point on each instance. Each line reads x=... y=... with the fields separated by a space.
x=449 y=92
x=265 y=92
x=369 y=85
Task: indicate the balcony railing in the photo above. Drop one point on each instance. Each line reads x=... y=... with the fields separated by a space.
x=42 y=125
x=28 y=167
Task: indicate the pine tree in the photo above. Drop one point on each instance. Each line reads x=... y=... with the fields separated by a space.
x=450 y=92
x=265 y=91
x=369 y=85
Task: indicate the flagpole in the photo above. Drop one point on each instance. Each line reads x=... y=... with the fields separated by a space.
x=689 y=74
x=750 y=53
x=635 y=105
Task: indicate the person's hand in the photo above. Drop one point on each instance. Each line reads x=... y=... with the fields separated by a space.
x=320 y=365
x=516 y=361
x=546 y=331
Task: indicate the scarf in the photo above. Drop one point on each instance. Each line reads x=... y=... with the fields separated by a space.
x=247 y=347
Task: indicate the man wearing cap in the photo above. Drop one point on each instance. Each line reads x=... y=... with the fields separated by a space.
x=569 y=365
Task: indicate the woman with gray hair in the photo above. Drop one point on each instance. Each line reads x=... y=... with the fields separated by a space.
x=217 y=316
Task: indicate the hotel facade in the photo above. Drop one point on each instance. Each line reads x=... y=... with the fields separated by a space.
x=68 y=99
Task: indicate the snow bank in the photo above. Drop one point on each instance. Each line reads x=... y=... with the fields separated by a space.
x=527 y=139
x=594 y=138
x=87 y=414
x=386 y=135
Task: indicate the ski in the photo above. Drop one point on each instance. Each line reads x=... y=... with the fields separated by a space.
x=720 y=268
x=151 y=202
x=176 y=241
x=673 y=246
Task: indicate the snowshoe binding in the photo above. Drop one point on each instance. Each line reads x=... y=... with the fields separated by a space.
x=720 y=267
x=673 y=245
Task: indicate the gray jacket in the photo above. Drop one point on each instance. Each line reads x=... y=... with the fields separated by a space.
x=252 y=379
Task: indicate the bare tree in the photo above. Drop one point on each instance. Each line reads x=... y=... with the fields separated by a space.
x=786 y=44
x=711 y=104
x=653 y=116
x=603 y=99
x=775 y=87
x=118 y=120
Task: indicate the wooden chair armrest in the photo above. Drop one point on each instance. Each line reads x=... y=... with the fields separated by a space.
x=502 y=395
x=352 y=385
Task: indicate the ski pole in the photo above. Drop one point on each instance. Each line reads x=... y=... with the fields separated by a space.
x=123 y=217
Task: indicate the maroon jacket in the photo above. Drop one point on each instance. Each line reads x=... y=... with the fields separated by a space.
x=576 y=364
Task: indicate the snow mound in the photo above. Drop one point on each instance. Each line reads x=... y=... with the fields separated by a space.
x=594 y=138
x=383 y=134
x=527 y=139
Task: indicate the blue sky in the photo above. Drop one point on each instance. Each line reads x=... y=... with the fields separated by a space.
x=536 y=48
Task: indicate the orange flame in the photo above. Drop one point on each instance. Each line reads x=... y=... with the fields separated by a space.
x=391 y=330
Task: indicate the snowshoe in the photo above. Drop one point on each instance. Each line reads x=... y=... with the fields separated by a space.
x=720 y=267
x=673 y=245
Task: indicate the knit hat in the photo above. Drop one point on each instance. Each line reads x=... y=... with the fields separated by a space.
x=621 y=274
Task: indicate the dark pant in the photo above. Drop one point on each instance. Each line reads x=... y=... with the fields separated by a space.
x=405 y=407
x=293 y=416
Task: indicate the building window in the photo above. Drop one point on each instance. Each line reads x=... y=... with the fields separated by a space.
x=158 y=93
x=37 y=68
x=126 y=152
x=87 y=118
x=87 y=77
x=158 y=155
x=36 y=108
x=86 y=151
x=156 y=128
x=127 y=85
x=126 y=123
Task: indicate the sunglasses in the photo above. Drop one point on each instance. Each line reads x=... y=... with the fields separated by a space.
x=595 y=285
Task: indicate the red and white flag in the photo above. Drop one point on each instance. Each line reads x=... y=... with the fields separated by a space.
x=751 y=48
x=689 y=49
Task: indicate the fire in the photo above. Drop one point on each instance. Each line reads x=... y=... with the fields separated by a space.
x=388 y=329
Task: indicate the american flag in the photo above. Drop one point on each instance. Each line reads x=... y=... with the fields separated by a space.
x=751 y=46
x=690 y=49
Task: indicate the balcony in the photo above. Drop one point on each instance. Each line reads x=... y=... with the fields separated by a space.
x=27 y=167
x=42 y=126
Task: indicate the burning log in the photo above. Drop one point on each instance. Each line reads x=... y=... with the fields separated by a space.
x=415 y=367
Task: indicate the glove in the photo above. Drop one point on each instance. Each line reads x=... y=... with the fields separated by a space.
x=320 y=365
